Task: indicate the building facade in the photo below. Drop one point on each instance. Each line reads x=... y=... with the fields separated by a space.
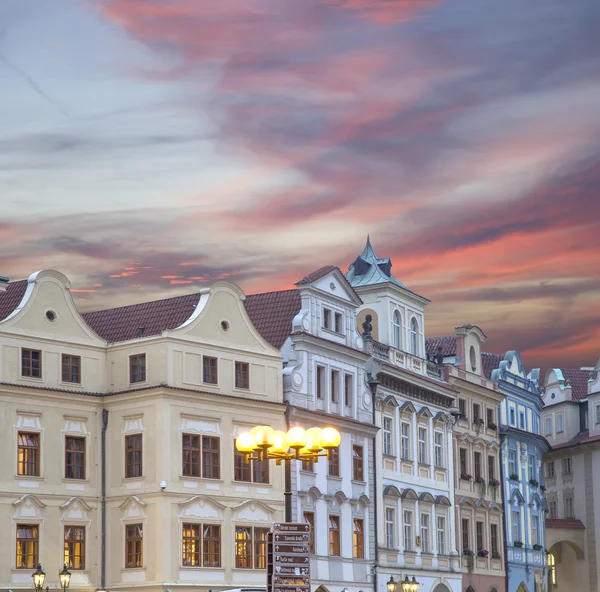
x=522 y=449
x=571 y=423
x=117 y=440
x=478 y=499
x=414 y=480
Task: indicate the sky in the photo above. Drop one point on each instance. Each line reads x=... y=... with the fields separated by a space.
x=150 y=147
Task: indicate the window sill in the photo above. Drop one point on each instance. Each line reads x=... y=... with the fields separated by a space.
x=335 y=478
x=241 y=389
x=190 y=478
x=201 y=567
x=440 y=469
x=70 y=384
x=131 y=480
x=356 y=482
x=256 y=484
x=138 y=383
x=424 y=464
x=29 y=477
x=392 y=456
x=305 y=472
x=128 y=569
x=332 y=332
x=31 y=378
x=69 y=480
x=214 y=384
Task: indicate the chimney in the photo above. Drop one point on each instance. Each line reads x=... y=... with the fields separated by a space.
x=3 y=283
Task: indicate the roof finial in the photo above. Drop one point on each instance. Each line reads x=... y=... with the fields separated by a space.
x=368 y=252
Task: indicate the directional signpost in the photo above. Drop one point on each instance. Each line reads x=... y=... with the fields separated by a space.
x=288 y=557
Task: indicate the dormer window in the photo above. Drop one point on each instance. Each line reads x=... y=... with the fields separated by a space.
x=414 y=333
x=397 y=328
x=326 y=318
x=473 y=358
x=338 y=322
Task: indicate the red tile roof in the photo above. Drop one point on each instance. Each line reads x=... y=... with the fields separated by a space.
x=578 y=379
x=447 y=342
x=581 y=438
x=316 y=275
x=568 y=523
x=10 y=299
x=490 y=362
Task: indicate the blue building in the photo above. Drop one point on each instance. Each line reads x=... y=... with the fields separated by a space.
x=522 y=448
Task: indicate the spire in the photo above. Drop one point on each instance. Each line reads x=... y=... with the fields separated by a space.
x=368 y=253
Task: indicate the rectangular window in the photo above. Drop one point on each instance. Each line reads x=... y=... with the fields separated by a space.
x=133 y=456
x=531 y=466
x=516 y=527
x=260 y=548
x=28 y=454
x=465 y=535
x=512 y=416
x=566 y=465
x=320 y=383
x=405 y=441
x=243 y=547
x=75 y=547
x=462 y=407
x=534 y=530
x=479 y=533
x=191 y=455
x=477 y=464
x=335 y=385
x=334 y=536
x=137 y=368
x=438 y=445
x=548 y=426
x=550 y=473
x=191 y=545
x=569 y=513
x=74 y=457
x=559 y=423
x=242 y=470
x=512 y=463
x=490 y=417
x=522 y=420
x=308 y=465
x=334 y=462
x=408 y=536
x=242 y=375
x=348 y=390
x=425 y=533
x=326 y=318
x=388 y=444
x=309 y=518
x=441 y=535
x=552 y=509
x=31 y=363
x=464 y=467
x=260 y=470
x=211 y=457
x=390 y=528
x=476 y=411
x=359 y=538
x=71 y=369
x=211 y=546
x=494 y=539
x=597 y=414
x=423 y=445
x=134 y=556
x=491 y=467
x=357 y=463
x=338 y=322
x=210 y=374
x=28 y=540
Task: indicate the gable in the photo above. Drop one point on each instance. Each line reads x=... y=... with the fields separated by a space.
x=335 y=284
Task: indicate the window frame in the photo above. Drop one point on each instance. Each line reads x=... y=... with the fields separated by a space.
x=424 y=527
x=327 y=318
x=133 y=550
x=515 y=526
x=207 y=456
x=29 y=450
x=567 y=465
x=35 y=373
x=309 y=518
x=548 y=425
x=512 y=463
x=463 y=460
x=191 y=444
x=491 y=466
x=358 y=463
x=255 y=556
x=319 y=381
x=477 y=467
x=137 y=368
x=130 y=469
x=334 y=385
x=69 y=366
x=388 y=435
x=414 y=336
x=242 y=375
x=490 y=416
x=35 y=545
x=479 y=537
x=494 y=539
x=72 y=542
x=390 y=527
x=397 y=329
x=333 y=463
x=407 y=523
x=476 y=411
x=560 y=419
x=465 y=534
x=423 y=457
x=338 y=323
x=441 y=534
x=405 y=448
x=348 y=389
x=219 y=546
x=550 y=469
x=358 y=538
x=438 y=449
x=210 y=370
x=194 y=537
x=334 y=535
x=76 y=454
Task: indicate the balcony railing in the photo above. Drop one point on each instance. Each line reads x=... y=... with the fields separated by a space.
x=405 y=360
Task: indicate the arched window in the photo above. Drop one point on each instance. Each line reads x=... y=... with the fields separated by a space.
x=551 y=569
x=414 y=335
x=397 y=328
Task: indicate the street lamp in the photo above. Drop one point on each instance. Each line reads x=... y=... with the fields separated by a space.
x=410 y=585
x=297 y=444
x=391 y=585
x=38 y=578
x=65 y=577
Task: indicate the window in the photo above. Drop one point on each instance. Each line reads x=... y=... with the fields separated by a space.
x=566 y=465
x=477 y=464
x=512 y=463
x=559 y=423
x=534 y=530
x=334 y=536
x=133 y=456
x=494 y=540
x=512 y=416
x=552 y=568
x=28 y=539
x=326 y=318
x=320 y=379
x=74 y=457
x=464 y=467
x=28 y=454
x=211 y=458
x=334 y=462
x=388 y=445
x=308 y=465
x=242 y=375
x=550 y=469
x=441 y=535
x=522 y=420
x=390 y=528
x=414 y=332
x=569 y=513
x=438 y=446
x=191 y=542
x=479 y=534
x=357 y=463
x=309 y=518
x=191 y=455
x=423 y=445
x=211 y=546
x=462 y=407
x=490 y=417
x=250 y=547
x=31 y=363
x=516 y=526
x=396 y=330
x=491 y=467
x=552 y=509
x=210 y=373
x=338 y=322
x=425 y=533
x=335 y=385
x=348 y=390
x=260 y=470
x=75 y=547
x=405 y=441
x=134 y=556
x=137 y=368
x=473 y=358
x=597 y=414
x=476 y=411
x=465 y=535
x=408 y=536
x=71 y=369
x=359 y=538
x=531 y=466
x=548 y=426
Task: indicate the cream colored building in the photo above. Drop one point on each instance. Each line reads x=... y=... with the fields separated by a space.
x=169 y=384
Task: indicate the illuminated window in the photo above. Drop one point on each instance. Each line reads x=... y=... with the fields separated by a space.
x=28 y=538
x=75 y=547
x=134 y=556
x=552 y=568
x=191 y=545
x=334 y=536
x=28 y=454
x=250 y=547
x=359 y=538
x=309 y=518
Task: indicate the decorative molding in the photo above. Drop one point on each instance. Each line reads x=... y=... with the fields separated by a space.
x=75 y=425
x=133 y=509
x=253 y=511
x=405 y=388
x=134 y=423
x=29 y=421
x=75 y=509
x=191 y=423
x=202 y=507
x=28 y=507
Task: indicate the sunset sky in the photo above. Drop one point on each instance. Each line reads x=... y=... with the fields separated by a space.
x=148 y=147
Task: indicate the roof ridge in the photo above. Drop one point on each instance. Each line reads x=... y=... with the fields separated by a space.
x=140 y=303
x=272 y=292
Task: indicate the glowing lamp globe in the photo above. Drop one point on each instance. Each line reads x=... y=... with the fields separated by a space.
x=330 y=438
x=406 y=585
x=414 y=585
x=296 y=437
x=391 y=585
x=38 y=577
x=65 y=577
x=263 y=436
x=313 y=440
x=280 y=445
x=245 y=443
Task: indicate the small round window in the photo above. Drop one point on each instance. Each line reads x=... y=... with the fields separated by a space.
x=51 y=315
x=473 y=358
x=225 y=326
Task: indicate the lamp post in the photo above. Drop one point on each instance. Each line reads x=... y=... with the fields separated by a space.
x=263 y=442
x=38 y=578
x=410 y=585
x=391 y=585
x=65 y=577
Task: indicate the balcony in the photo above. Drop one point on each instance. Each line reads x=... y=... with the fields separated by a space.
x=403 y=359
